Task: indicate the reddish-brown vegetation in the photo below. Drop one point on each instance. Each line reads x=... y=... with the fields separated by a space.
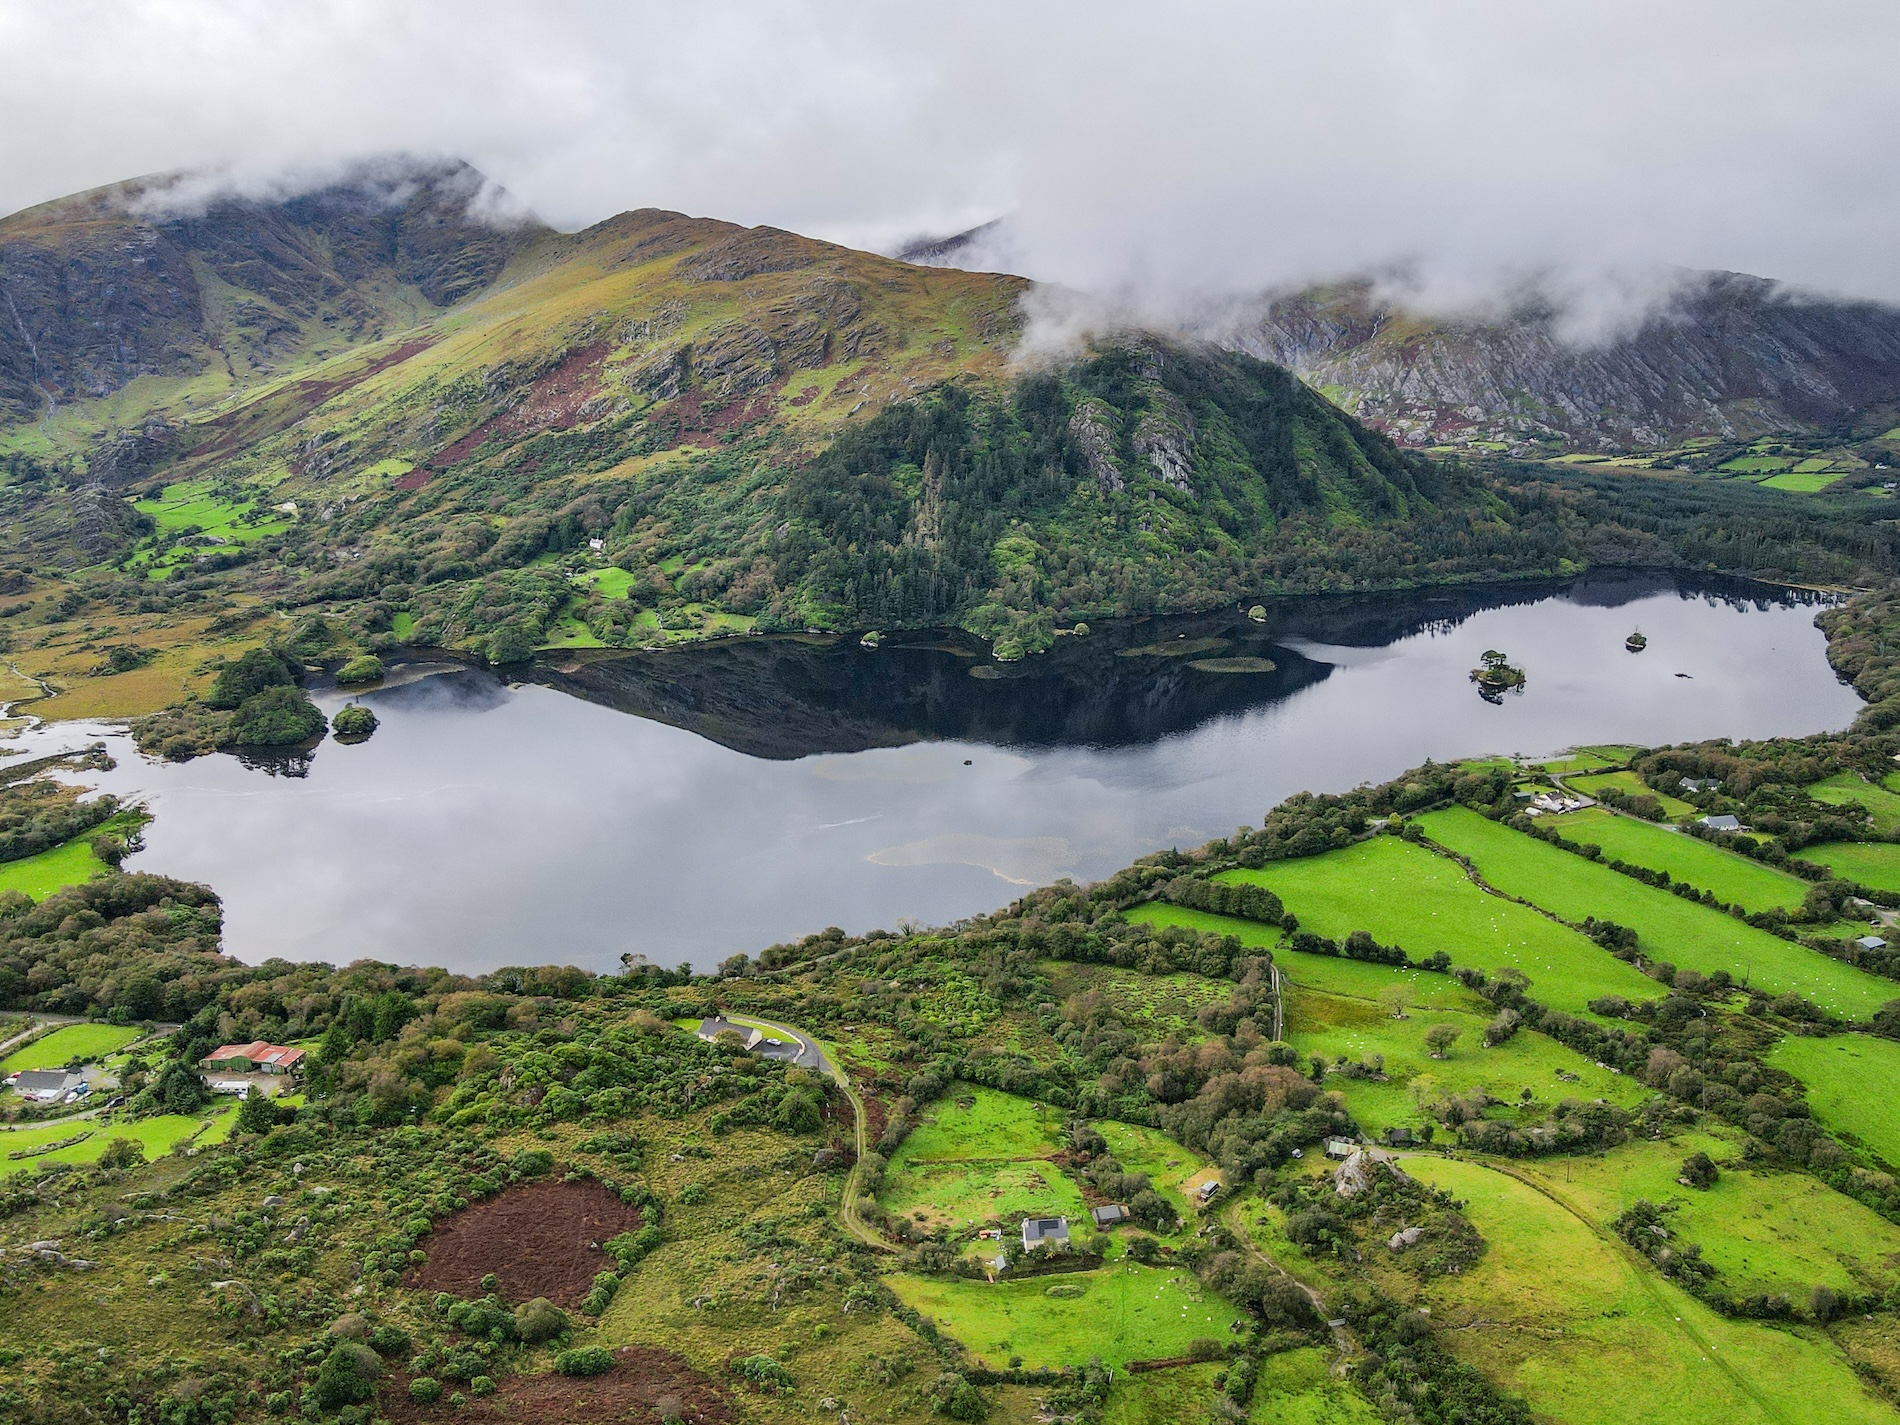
x=542 y=1240
x=643 y=1386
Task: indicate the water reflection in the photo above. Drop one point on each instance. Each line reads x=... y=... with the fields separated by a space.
x=767 y=788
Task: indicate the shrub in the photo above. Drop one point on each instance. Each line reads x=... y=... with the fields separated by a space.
x=585 y=1361
x=365 y=669
x=389 y=1340
x=532 y=1162
x=693 y=1194
x=424 y=1389
x=348 y=1375
x=122 y=1153
x=539 y=1320
x=354 y=721
x=763 y=1372
x=482 y=1385
x=1698 y=1171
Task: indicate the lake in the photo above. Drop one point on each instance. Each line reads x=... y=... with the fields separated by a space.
x=690 y=804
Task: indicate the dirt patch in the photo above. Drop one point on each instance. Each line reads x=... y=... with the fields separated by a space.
x=543 y=1240
x=643 y=1384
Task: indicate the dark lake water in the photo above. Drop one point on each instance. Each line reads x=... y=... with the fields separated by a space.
x=688 y=805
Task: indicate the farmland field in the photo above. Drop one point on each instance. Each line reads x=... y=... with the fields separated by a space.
x=1687 y=934
x=157 y=1136
x=75 y=1041
x=1125 y=1313
x=1167 y=1163
x=1298 y=1388
x=1763 y=1229
x=1406 y=895
x=1733 y=878
x=1853 y=1082
x=1872 y=863
x=1329 y=973
x=1630 y=785
x=39 y=876
x=1568 y=1317
x=1882 y=803
x=968 y=1166
x=1329 y=1026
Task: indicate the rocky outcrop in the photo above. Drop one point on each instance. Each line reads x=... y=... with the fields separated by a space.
x=1726 y=355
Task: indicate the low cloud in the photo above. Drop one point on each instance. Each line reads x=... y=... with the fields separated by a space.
x=1465 y=152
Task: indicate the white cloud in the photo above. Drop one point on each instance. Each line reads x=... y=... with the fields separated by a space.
x=1175 y=152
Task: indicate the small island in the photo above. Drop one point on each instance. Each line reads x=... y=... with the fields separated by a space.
x=1636 y=643
x=1497 y=677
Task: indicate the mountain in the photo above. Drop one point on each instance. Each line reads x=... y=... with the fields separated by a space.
x=1725 y=356
x=379 y=413
x=1722 y=356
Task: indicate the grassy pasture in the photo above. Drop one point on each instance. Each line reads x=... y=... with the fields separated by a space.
x=1405 y=894
x=1125 y=1313
x=1166 y=1162
x=39 y=876
x=74 y=1041
x=1804 y=482
x=1871 y=863
x=1882 y=804
x=1631 y=785
x=1853 y=1083
x=1733 y=878
x=1569 y=1318
x=1329 y=1025
x=1764 y=1230
x=1687 y=934
x=1299 y=1388
x=157 y=1136
x=1329 y=973
x=967 y=1166
x=1180 y=1394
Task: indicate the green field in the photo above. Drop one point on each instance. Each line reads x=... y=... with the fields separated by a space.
x=965 y=1167
x=1404 y=894
x=1734 y=879
x=1299 y=1388
x=1166 y=1162
x=1687 y=934
x=1329 y=1026
x=1757 y=464
x=1330 y=973
x=1882 y=804
x=610 y=583
x=1875 y=864
x=1763 y=1229
x=196 y=505
x=1804 y=482
x=1125 y=1313
x=157 y=1136
x=1180 y=1394
x=1568 y=1317
x=39 y=876
x=1853 y=1083
x=1630 y=785
x=86 y=1042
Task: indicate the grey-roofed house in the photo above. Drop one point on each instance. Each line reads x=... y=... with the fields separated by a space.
x=1722 y=823
x=1871 y=942
x=712 y=1028
x=1109 y=1215
x=45 y=1085
x=1040 y=1231
x=1699 y=784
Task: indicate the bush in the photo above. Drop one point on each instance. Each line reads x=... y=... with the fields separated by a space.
x=539 y=1320
x=693 y=1194
x=354 y=722
x=276 y=717
x=514 y=644
x=1698 y=1171
x=348 y=1375
x=631 y=1248
x=366 y=669
x=425 y=1390
x=122 y=1153
x=586 y=1361
x=763 y=1372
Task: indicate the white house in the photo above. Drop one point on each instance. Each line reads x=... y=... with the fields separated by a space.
x=1722 y=823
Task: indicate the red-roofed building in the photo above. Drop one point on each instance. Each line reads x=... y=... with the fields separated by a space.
x=256 y=1057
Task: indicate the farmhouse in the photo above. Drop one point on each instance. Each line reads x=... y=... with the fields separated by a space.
x=46 y=1085
x=257 y=1057
x=1721 y=823
x=1038 y=1231
x=1109 y=1215
x=712 y=1028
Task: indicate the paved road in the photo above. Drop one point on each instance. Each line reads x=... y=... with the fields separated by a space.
x=812 y=1056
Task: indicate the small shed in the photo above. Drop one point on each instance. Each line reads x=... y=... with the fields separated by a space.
x=1871 y=942
x=1340 y=1147
x=1045 y=1231
x=1109 y=1214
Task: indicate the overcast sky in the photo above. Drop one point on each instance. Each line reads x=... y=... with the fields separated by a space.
x=1181 y=148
